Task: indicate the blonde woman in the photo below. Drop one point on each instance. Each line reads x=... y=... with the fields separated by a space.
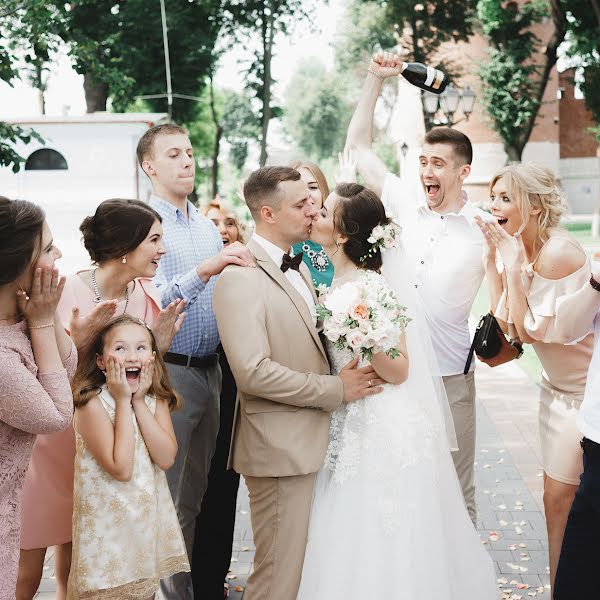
x=542 y=264
x=314 y=256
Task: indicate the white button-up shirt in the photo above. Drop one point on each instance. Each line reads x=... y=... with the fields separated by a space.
x=300 y=284
x=447 y=250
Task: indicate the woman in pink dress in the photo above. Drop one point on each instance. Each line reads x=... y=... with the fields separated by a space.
x=124 y=240
x=37 y=358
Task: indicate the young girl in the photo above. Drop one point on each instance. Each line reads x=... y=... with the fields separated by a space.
x=126 y=535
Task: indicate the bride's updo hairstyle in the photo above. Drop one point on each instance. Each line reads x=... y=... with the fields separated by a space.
x=116 y=228
x=356 y=213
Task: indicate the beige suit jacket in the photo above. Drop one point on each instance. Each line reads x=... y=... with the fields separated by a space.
x=285 y=391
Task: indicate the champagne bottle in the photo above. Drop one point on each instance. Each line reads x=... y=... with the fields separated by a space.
x=425 y=77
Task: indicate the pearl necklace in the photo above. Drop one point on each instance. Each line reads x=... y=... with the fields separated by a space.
x=98 y=297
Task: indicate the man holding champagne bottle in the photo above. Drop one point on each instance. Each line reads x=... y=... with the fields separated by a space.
x=441 y=237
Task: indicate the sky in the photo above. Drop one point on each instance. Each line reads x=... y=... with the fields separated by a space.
x=65 y=87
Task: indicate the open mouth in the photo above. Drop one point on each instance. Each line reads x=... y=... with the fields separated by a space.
x=225 y=241
x=432 y=190
x=502 y=221
x=133 y=374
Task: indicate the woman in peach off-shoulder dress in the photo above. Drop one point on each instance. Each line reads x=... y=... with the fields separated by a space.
x=124 y=240
x=37 y=359
x=542 y=265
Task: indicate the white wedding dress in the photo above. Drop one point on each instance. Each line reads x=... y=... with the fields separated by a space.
x=388 y=517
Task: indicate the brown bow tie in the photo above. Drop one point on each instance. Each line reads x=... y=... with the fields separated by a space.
x=291 y=262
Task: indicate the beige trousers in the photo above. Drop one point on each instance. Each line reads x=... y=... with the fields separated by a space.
x=460 y=390
x=279 y=510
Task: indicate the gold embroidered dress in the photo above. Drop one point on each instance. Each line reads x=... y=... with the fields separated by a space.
x=126 y=535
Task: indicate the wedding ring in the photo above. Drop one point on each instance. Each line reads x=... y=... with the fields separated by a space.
x=370 y=383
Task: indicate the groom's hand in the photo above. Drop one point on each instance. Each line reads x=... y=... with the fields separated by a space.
x=359 y=383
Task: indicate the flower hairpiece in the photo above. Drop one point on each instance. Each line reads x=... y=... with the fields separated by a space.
x=382 y=236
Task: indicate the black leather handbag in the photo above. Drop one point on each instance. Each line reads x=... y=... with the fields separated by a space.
x=491 y=345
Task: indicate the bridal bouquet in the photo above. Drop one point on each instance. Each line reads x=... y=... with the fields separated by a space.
x=364 y=317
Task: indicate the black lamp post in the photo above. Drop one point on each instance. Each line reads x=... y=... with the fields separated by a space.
x=448 y=103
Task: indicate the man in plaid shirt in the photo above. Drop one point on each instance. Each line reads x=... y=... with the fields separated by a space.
x=195 y=256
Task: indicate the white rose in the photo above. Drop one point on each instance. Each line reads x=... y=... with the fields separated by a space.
x=377 y=232
x=333 y=333
x=340 y=299
x=355 y=339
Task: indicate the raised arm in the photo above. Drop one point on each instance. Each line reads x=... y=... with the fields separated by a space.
x=360 y=130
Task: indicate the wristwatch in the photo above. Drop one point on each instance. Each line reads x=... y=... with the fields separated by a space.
x=518 y=347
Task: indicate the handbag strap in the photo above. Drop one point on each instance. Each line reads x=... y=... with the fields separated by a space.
x=470 y=355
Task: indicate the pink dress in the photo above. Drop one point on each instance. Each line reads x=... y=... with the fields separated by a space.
x=30 y=403
x=51 y=472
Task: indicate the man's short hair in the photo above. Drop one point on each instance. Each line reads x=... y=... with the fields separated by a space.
x=261 y=187
x=461 y=144
x=145 y=146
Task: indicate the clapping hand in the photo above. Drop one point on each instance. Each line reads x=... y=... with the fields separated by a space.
x=168 y=323
x=510 y=247
x=85 y=329
x=387 y=64
x=39 y=307
x=347 y=172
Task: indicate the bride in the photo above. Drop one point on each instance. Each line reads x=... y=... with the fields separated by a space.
x=387 y=499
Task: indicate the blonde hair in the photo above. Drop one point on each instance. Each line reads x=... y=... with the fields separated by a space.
x=89 y=379
x=531 y=185
x=316 y=173
x=229 y=214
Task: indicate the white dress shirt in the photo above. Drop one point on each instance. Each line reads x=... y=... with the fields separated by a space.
x=447 y=251
x=300 y=284
x=588 y=419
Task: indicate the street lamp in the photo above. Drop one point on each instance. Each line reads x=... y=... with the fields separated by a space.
x=404 y=150
x=448 y=102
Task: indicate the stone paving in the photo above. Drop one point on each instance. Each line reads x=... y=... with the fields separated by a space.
x=509 y=492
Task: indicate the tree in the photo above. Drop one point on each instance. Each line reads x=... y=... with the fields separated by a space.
x=517 y=70
x=317 y=111
x=583 y=37
x=261 y=21
x=18 y=31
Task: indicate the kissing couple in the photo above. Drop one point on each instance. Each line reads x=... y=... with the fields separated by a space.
x=343 y=435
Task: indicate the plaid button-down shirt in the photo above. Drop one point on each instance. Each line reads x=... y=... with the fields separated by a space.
x=188 y=242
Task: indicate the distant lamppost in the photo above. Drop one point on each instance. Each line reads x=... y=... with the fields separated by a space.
x=404 y=150
x=448 y=103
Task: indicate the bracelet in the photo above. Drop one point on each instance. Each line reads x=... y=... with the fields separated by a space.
x=41 y=326
x=595 y=284
x=376 y=74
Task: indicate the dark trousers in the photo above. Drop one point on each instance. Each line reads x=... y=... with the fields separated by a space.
x=215 y=524
x=577 y=574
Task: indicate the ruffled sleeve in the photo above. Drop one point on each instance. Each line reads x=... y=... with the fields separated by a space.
x=153 y=302
x=545 y=320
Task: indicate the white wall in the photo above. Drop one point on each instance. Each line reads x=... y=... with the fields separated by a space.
x=581 y=181
x=102 y=164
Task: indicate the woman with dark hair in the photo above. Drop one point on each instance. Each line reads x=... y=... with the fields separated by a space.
x=37 y=358
x=387 y=485
x=313 y=254
x=124 y=241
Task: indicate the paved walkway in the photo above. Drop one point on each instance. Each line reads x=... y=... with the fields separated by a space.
x=509 y=492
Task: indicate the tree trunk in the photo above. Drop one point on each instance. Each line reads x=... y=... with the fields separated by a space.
x=216 y=143
x=514 y=153
x=559 y=20
x=39 y=74
x=96 y=93
x=267 y=38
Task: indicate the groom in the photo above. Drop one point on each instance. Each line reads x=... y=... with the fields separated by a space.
x=267 y=324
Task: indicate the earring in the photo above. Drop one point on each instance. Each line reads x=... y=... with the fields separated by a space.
x=124 y=260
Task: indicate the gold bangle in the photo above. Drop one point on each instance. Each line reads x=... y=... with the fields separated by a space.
x=381 y=78
x=41 y=326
